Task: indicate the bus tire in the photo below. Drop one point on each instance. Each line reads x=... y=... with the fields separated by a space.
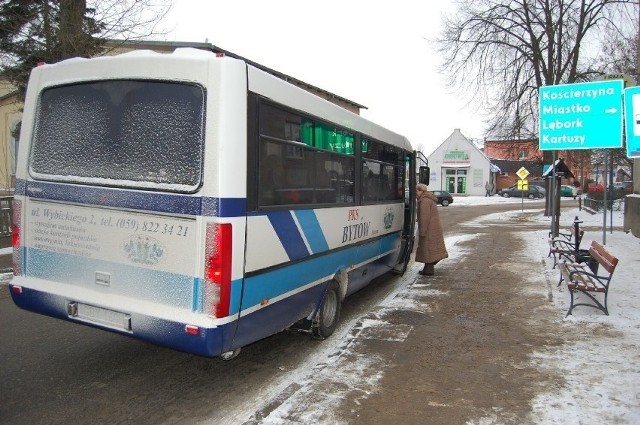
x=326 y=320
x=230 y=355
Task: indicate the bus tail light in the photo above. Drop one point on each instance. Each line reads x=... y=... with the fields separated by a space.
x=191 y=330
x=15 y=237
x=217 y=273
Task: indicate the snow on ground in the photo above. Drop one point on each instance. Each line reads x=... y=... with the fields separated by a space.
x=603 y=373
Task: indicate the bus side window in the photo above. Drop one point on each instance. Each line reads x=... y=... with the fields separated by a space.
x=385 y=188
x=299 y=189
x=325 y=194
x=272 y=178
x=370 y=186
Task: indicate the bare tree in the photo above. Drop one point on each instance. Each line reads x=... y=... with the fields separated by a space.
x=129 y=19
x=619 y=47
x=619 y=56
x=502 y=51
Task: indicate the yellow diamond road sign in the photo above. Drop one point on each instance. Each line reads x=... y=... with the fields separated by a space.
x=522 y=173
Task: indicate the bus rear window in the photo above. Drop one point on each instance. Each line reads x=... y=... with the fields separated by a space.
x=121 y=133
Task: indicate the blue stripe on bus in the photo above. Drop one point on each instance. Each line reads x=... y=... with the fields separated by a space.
x=289 y=234
x=167 y=288
x=20 y=187
x=198 y=295
x=312 y=230
x=197 y=304
x=286 y=279
x=224 y=207
x=134 y=199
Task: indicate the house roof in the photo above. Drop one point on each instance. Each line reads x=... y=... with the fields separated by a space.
x=511 y=166
x=458 y=137
x=560 y=167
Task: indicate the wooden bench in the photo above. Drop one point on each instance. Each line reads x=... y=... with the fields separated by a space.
x=580 y=277
x=566 y=245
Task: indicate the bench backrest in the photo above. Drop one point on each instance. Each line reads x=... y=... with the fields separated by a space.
x=603 y=257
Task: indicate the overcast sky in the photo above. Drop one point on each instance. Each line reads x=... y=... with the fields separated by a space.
x=374 y=53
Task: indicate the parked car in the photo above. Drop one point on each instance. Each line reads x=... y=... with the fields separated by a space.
x=625 y=186
x=444 y=197
x=540 y=183
x=532 y=192
x=568 y=191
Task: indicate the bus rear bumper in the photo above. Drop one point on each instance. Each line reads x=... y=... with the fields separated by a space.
x=192 y=338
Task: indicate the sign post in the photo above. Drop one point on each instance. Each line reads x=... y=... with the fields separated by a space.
x=522 y=184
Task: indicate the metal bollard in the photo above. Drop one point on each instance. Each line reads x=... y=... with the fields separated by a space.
x=576 y=236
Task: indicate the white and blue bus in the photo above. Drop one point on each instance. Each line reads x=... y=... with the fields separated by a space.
x=197 y=202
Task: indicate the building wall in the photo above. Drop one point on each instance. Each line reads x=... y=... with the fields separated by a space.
x=10 y=116
x=459 y=167
x=526 y=150
x=506 y=180
x=578 y=161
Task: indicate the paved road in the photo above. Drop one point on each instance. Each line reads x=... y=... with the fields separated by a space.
x=55 y=372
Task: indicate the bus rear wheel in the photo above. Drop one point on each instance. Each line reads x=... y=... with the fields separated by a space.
x=326 y=320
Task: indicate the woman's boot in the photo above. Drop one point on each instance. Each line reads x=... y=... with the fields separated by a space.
x=429 y=269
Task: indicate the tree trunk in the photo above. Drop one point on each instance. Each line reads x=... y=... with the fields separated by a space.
x=72 y=38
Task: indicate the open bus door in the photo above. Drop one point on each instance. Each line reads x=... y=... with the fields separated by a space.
x=408 y=229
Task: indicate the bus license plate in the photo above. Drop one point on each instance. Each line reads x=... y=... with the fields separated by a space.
x=102 y=316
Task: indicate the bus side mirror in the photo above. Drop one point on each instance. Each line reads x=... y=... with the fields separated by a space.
x=423 y=175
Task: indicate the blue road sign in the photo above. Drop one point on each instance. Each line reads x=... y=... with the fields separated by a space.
x=581 y=115
x=632 y=121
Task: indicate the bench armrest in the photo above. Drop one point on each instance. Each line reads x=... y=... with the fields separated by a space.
x=561 y=244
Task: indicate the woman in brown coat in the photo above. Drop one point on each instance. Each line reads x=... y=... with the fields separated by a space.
x=431 y=248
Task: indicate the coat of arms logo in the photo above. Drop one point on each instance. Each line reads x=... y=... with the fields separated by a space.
x=143 y=249
x=388 y=218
